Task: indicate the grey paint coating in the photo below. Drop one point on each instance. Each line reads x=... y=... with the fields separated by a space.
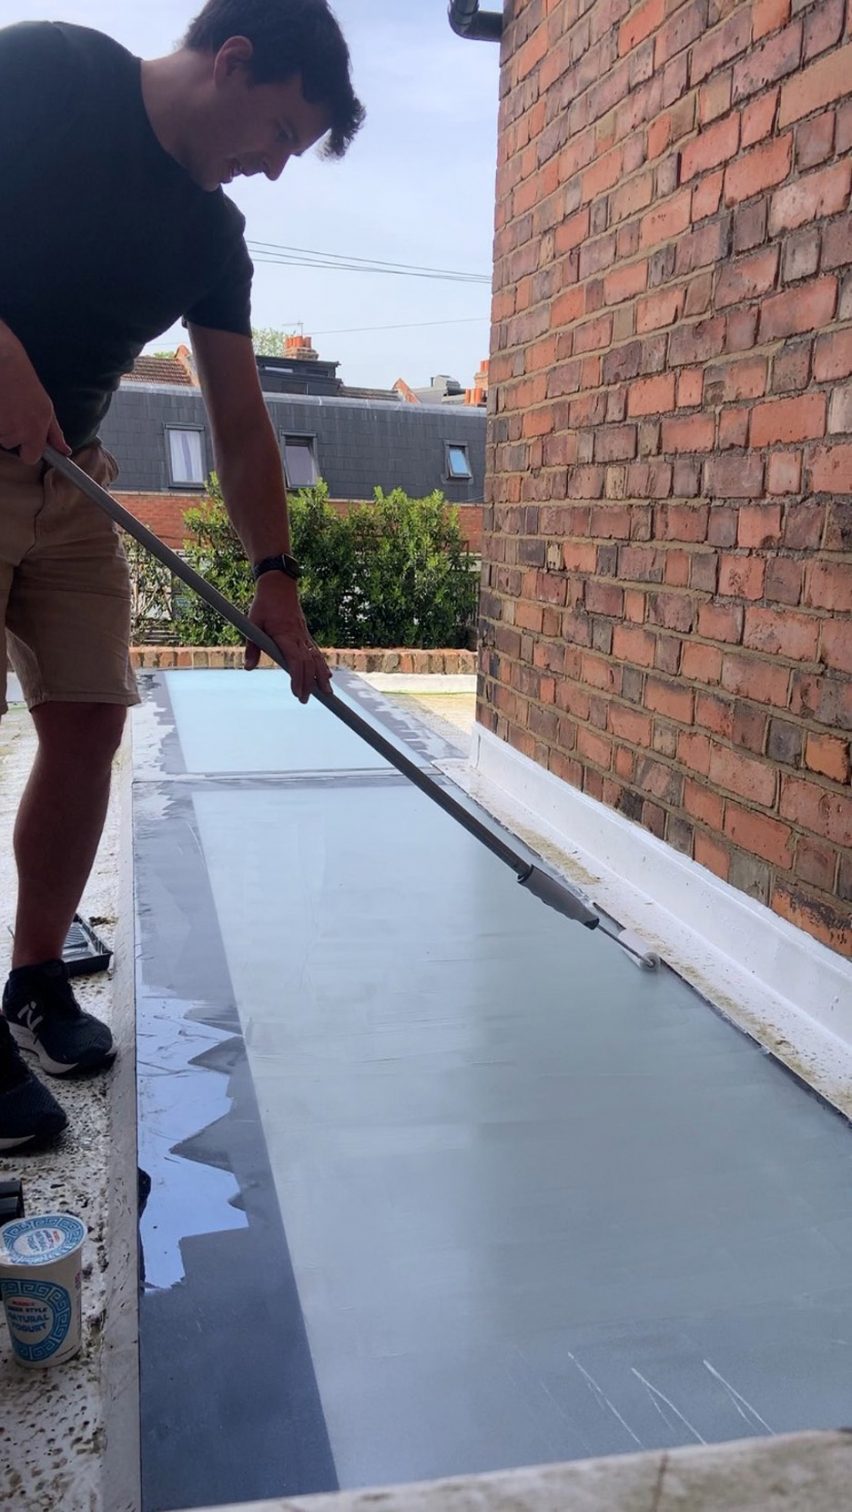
x=359 y=445
x=539 y=1205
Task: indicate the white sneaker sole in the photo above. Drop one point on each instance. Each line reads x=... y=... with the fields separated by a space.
x=26 y=1040
x=37 y=1140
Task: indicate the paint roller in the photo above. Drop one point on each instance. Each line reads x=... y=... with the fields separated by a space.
x=542 y=884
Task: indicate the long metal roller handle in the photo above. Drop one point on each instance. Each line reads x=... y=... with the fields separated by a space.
x=546 y=887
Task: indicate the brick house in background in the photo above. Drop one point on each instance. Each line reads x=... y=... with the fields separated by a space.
x=667 y=582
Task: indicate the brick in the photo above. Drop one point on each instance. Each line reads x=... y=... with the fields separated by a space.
x=640 y=24
x=733 y=428
x=826 y=699
x=782 y=633
x=632 y=644
x=629 y=724
x=833 y=355
x=624 y=282
x=750 y=225
x=783 y=580
x=665 y=221
x=707 y=198
x=713 y=854
x=828 y=585
x=689 y=434
x=803 y=525
x=801 y=254
x=783 y=420
x=722 y=44
x=711 y=147
x=650 y=396
x=791 y=368
x=817 y=809
x=684 y=26
x=804 y=309
x=828 y=755
x=714 y=98
x=758 y=170
x=658 y=310
x=697 y=343
x=785 y=742
x=759 y=525
x=840 y=411
x=773 y=60
x=768 y=16
x=760 y=835
x=825 y=192
x=734 y=477
x=759 y=118
x=671 y=699
x=835 y=648
x=736 y=380
x=672 y=611
x=741 y=577
x=614 y=442
x=744 y=775
x=747 y=277
x=815 y=140
x=700 y=802
x=690 y=387
x=819 y=917
x=701 y=663
x=829 y=468
x=816 y=862
x=819 y=85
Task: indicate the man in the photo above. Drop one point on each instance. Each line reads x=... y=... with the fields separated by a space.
x=114 y=225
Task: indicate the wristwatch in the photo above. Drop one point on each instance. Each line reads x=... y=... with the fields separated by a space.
x=284 y=563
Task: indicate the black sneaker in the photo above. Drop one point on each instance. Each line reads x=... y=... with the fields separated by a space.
x=29 y=1114
x=45 y=1017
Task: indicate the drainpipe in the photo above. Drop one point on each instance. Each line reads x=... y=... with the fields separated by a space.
x=467 y=20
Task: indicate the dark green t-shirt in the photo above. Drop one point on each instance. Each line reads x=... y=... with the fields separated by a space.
x=105 y=241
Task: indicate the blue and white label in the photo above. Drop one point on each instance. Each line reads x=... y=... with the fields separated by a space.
x=39 y=1317
x=41 y=1240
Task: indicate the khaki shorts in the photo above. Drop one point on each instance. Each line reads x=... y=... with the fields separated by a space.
x=64 y=587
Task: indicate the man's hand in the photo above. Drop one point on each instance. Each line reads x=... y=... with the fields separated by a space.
x=27 y=421
x=276 y=609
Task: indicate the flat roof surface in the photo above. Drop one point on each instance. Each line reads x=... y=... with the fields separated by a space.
x=442 y=1183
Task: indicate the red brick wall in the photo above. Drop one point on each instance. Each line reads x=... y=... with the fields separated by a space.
x=163 y=513
x=668 y=532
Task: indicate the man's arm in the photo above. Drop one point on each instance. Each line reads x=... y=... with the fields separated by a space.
x=249 y=467
x=27 y=421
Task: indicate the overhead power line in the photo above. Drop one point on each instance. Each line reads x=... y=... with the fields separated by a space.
x=413 y=325
x=302 y=257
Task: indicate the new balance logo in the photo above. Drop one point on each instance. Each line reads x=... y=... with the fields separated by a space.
x=31 y=1016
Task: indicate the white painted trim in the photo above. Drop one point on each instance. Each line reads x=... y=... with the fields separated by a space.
x=788 y=990
x=421 y=682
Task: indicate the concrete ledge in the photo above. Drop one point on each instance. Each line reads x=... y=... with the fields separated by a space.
x=807 y=1472
x=372 y=659
x=69 y=1436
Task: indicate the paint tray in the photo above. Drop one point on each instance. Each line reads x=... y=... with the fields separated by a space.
x=84 y=951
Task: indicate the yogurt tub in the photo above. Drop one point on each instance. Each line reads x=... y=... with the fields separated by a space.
x=40 y=1283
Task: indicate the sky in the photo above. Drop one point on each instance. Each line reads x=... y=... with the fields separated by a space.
x=416 y=187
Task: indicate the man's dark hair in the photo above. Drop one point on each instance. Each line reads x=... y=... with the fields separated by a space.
x=289 y=37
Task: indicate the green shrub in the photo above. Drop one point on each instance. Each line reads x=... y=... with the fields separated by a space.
x=393 y=572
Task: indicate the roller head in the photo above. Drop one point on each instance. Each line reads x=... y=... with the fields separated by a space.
x=639 y=949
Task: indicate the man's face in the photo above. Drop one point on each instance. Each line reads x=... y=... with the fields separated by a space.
x=254 y=128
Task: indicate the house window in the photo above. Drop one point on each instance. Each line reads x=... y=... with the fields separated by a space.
x=186 y=457
x=300 y=461
x=458 y=461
